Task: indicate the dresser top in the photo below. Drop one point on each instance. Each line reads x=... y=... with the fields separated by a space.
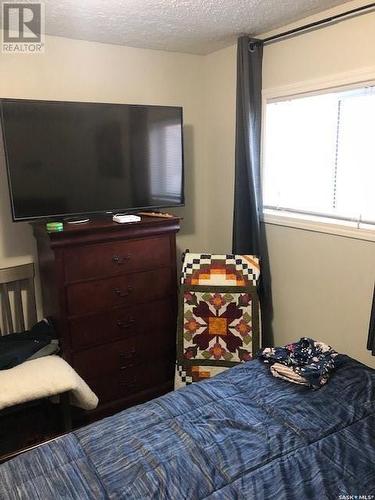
x=104 y=227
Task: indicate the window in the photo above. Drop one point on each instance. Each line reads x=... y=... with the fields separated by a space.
x=319 y=155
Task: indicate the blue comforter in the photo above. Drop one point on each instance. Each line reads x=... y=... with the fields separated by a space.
x=241 y=435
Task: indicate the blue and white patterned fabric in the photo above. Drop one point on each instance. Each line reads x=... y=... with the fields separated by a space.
x=241 y=435
x=312 y=361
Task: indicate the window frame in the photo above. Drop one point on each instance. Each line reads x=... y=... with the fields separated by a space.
x=300 y=220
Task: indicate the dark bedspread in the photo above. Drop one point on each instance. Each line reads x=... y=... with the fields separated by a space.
x=241 y=435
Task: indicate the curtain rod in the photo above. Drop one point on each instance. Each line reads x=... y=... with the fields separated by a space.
x=315 y=25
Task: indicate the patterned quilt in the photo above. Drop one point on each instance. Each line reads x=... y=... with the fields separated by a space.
x=241 y=435
x=218 y=320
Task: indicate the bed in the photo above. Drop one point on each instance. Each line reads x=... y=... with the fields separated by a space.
x=240 y=435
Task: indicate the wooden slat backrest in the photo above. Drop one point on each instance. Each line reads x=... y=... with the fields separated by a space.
x=13 y=281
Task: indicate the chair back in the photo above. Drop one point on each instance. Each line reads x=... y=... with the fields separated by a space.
x=17 y=299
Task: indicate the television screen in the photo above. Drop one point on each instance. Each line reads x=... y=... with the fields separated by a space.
x=71 y=158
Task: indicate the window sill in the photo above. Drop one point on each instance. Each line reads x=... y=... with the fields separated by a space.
x=319 y=225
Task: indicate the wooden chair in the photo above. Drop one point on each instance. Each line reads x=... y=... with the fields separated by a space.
x=17 y=283
x=18 y=313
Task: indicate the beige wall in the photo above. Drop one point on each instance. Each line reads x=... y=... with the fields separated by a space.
x=322 y=288
x=220 y=110
x=84 y=71
x=321 y=283
x=345 y=47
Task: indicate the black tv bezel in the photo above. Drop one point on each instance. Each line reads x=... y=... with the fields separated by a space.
x=97 y=213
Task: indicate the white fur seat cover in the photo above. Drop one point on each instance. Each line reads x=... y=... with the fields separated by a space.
x=41 y=378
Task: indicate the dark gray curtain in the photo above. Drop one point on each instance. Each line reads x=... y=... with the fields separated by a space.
x=371 y=332
x=248 y=230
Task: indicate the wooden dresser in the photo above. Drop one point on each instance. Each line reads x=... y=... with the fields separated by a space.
x=111 y=290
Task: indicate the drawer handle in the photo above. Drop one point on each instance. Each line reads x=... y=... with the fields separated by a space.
x=129 y=381
x=132 y=384
x=122 y=293
x=124 y=324
x=127 y=367
x=117 y=259
x=128 y=355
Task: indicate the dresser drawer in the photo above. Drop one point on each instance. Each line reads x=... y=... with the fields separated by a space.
x=100 y=295
x=120 y=385
x=122 y=356
x=124 y=322
x=112 y=259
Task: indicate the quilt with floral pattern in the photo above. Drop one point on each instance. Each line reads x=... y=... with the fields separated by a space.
x=218 y=321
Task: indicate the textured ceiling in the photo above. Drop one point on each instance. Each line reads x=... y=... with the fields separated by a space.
x=192 y=26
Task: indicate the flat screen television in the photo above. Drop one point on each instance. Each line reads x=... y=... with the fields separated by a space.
x=74 y=158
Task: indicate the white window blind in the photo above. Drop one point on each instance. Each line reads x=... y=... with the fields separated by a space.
x=165 y=179
x=319 y=155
